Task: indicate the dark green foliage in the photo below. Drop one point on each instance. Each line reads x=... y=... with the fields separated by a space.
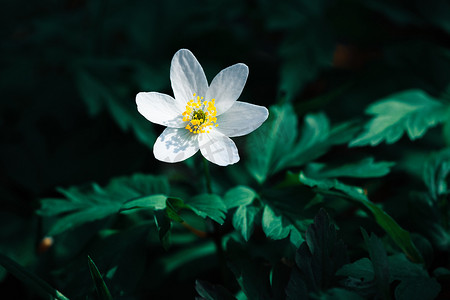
x=208 y=205
x=380 y=264
x=317 y=259
x=82 y=205
x=377 y=275
x=212 y=292
x=31 y=280
x=357 y=137
x=399 y=235
x=280 y=145
x=100 y=286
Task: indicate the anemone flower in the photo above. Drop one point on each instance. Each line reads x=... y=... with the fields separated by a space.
x=201 y=117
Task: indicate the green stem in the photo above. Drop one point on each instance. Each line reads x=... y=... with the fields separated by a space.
x=207 y=176
x=215 y=234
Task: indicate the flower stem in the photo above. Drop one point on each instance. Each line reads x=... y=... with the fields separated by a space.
x=207 y=176
x=215 y=234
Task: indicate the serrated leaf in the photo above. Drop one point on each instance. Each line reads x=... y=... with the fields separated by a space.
x=154 y=202
x=86 y=204
x=84 y=216
x=415 y=282
x=400 y=236
x=208 y=205
x=212 y=292
x=281 y=216
x=272 y=225
x=31 y=280
x=100 y=286
x=361 y=269
x=319 y=258
x=380 y=263
x=276 y=145
x=435 y=172
x=238 y=196
x=412 y=111
x=244 y=220
x=268 y=144
x=311 y=144
x=365 y=168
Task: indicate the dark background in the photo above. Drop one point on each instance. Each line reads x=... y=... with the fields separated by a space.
x=70 y=71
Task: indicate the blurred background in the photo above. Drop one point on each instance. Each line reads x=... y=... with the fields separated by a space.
x=70 y=70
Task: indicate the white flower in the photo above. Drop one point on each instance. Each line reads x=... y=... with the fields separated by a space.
x=201 y=116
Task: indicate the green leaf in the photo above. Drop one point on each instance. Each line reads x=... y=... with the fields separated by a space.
x=435 y=172
x=418 y=289
x=252 y=277
x=296 y=288
x=412 y=111
x=340 y=294
x=208 y=205
x=190 y=258
x=212 y=292
x=276 y=145
x=84 y=216
x=365 y=168
x=102 y=91
x=163 y=225
x=400 y=236
x=318 y=259
x=244 y=220
x=238 y=196
x=153 y=202
x=86 y=204
x=34 y=282
x=313 y=142
x=174 y=205
x=361 y=269
x=270 y=142
x=272 y=224
x=415 y=283
x=100 y=286
x=442 y=273
x=280 y=275
x=281 y=216
x=380 y=263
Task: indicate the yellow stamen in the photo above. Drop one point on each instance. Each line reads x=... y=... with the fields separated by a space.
x=201 y=115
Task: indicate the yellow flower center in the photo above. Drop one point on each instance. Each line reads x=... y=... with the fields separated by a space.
x=200 y=115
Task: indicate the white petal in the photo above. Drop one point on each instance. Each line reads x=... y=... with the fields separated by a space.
x=218 y=149
x=227 y=86
x=187 y=76
x=241 y=119
x=175 y=144
x=160 y=109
